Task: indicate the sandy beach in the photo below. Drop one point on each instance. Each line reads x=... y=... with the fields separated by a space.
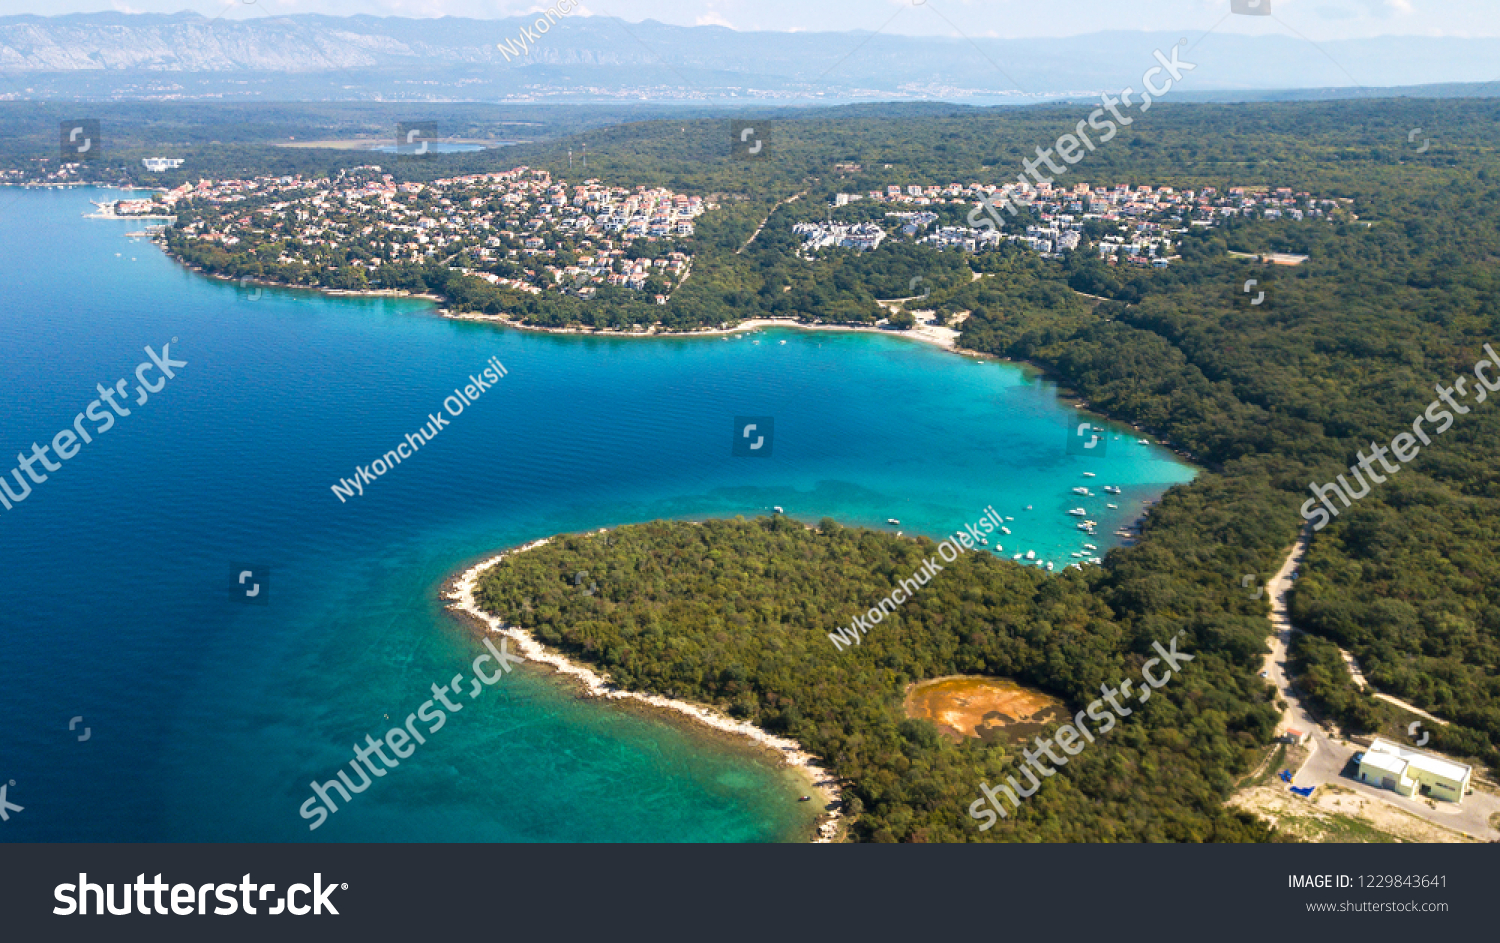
x=461 y=591
x=944 y=337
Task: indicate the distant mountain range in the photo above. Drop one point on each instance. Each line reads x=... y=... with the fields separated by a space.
x=118 y=56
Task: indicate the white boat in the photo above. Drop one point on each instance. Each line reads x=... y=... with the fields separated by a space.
x=1016 y=557
x=1086 y=526
x=1088 y=474
x=891 y=520
x=1077 y=554
x=999 y=548
x=777 y=509
x=783 y=342
x=1111 y=489
x=1115 y=506
x=1005 y=530
x=1144 y=441
x=1049 y=566
x=1031 y=554
x=1079 y=512
x=1028 y=507
x=1090 y=547
x=983 y=542
x=1082 y=491
x=1009 y=518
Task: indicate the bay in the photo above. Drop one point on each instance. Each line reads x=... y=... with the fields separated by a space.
x=208 y=718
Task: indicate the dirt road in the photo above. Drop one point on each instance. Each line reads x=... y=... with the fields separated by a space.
x=1331 y=761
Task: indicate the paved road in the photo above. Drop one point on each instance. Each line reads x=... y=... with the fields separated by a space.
x=1332 y=761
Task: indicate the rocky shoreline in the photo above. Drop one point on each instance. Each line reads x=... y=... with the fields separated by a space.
x=461 y=591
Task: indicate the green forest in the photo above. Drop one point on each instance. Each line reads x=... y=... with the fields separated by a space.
x=736 y=613
x=1345 y=351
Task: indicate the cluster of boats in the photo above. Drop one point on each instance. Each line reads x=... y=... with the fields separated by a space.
x=1089 y=554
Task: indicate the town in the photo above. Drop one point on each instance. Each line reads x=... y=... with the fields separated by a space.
x=517 y=229
x=1134 y=225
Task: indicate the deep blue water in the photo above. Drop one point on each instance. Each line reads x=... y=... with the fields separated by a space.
x=208 y=718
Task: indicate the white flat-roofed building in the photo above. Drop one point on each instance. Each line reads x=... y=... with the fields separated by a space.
x=1410 y=772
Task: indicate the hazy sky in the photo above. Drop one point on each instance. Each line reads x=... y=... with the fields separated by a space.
x=1316 y=19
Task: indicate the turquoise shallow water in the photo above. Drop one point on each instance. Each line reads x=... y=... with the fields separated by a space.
x=208 y=718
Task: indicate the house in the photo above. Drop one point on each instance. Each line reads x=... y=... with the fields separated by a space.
x=1409 y=772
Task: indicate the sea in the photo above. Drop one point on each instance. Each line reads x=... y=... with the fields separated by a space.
x=146 y=697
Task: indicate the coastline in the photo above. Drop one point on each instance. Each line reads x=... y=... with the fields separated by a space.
x=946 y=338
x=942 y=337
x=332 y=292
x=461 y=589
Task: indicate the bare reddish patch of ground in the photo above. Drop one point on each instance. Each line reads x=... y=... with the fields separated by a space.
x=986 y=708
